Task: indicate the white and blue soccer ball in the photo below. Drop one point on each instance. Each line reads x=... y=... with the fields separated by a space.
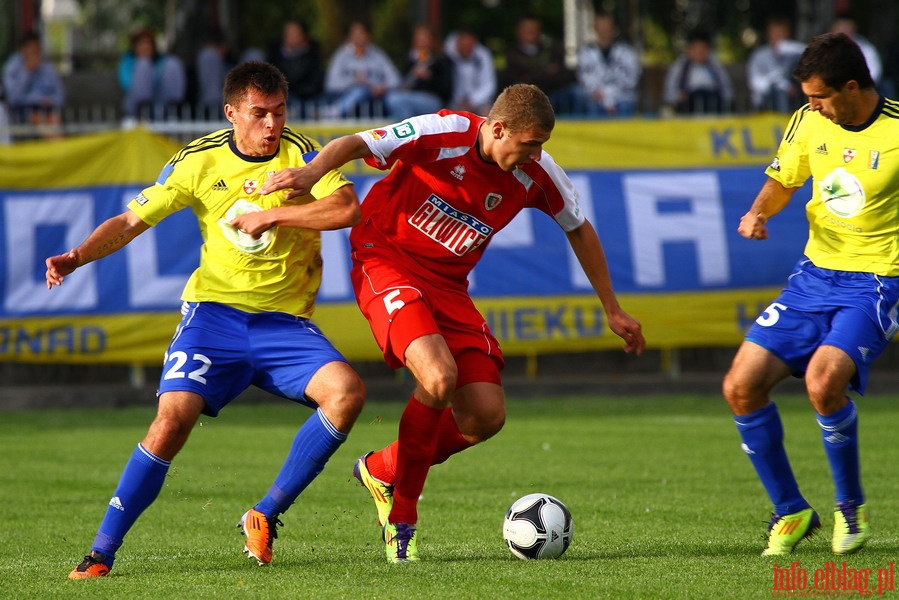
x=538 y=526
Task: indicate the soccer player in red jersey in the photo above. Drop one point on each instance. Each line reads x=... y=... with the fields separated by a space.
x=455 y=180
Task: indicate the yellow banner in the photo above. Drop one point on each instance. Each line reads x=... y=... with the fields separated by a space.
x=523 y=326
x=115 y=157
x=644 y=143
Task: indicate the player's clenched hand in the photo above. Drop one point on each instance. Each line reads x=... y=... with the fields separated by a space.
x=253 y=223
x=752 y=226
x=629 y=329
x=59 y=266
x=298 y=180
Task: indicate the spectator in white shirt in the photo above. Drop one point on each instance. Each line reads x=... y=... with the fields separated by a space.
x=358 y=76
x=608 y=72
x=474 y=74
x=769 y=71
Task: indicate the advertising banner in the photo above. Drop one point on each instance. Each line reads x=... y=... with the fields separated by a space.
x=664 y=196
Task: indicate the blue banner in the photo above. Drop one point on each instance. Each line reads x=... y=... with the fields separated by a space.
x=663 y=231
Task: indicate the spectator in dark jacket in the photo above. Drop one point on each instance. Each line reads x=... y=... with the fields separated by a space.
x=427 y=78
x=298 y=56
x=534 y=58
x=697 y=82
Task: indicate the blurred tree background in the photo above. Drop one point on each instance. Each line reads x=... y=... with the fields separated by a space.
x=89 y=35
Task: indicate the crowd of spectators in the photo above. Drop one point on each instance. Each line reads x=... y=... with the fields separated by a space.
x=360 y=80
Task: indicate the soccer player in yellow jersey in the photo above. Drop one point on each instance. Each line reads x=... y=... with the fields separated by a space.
x=246 y=308
x=840 y=307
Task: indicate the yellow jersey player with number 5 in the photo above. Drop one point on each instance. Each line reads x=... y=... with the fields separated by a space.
x=840 y=308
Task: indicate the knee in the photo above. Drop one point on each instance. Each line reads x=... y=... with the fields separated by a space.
x=491 y=425
x=824 y=396
x=343 y=406
x=481 y=427
x=167 y=435
x=440 y=382
x=741 y=395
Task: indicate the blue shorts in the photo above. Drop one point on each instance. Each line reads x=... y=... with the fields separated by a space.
x=855 y=312
x=219 y=351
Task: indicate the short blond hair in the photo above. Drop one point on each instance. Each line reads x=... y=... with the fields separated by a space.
x=522 y=107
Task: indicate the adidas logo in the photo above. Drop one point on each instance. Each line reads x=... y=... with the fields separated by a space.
x=116 y=504
x=864 y=352
x=822 y=149
x=221 y=186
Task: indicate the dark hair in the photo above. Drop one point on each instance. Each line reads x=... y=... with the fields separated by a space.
x=30 y=37
x=256 y=75
x=836 y=59
x=700 y=34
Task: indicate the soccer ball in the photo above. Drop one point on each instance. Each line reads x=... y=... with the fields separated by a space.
x=537 y=526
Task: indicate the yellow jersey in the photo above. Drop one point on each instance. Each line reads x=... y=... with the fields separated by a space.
x=277 y=272
x=853 y=214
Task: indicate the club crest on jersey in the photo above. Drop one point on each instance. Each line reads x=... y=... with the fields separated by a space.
x=250 y=186
x=873 y=159
x=458 y=172
x=848 y=154
x=492 y=201
x=458 y=232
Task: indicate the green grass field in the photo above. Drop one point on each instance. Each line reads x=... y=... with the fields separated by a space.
x=665 y=505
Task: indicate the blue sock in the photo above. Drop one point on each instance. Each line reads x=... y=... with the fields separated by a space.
x=840 y=433
x=763 y=434
x=313 y=445
x=138 y=487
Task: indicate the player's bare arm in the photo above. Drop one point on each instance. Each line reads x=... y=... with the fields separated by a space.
x=334 y=155
x=770 y=200
x=113 y=234
x=339 y=210
x=587 y=247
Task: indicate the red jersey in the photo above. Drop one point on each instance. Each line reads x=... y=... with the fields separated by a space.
x=441 y=203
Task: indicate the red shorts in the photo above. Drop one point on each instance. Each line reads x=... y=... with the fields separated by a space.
x=401 y=307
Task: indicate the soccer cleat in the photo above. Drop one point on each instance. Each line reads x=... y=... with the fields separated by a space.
x=93 y=565
x=401 y=542
x=850 y=527
x=260 y=531
x=380 y=491
x=785 y=531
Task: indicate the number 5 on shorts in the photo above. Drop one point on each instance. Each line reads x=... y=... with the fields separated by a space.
x=771 y=314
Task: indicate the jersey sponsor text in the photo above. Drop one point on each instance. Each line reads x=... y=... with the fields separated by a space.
x=456 y=231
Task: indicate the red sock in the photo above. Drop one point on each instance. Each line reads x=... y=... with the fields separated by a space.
x=382 y=463
x=417 y=442
x=449 y=440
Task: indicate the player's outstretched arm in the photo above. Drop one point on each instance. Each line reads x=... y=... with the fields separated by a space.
x=334 y=155
x=336 y=211
x=110 y=236
x=771 y=199
x=588 y=249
